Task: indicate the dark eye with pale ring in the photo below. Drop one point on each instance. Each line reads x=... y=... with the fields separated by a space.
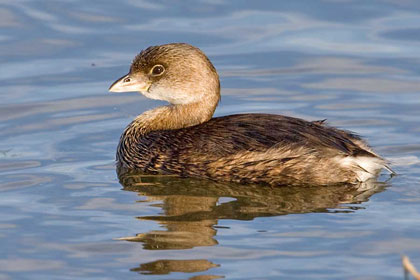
x=157 y=70
x=126 y=80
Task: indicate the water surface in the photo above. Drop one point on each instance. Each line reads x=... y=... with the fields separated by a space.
x=65 y=214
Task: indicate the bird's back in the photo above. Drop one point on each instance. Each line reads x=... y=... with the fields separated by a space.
x=255 y=148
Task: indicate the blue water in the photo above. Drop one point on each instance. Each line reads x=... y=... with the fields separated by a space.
x=65 y=215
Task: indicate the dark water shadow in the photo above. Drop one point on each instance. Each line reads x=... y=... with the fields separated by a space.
x=192 y=208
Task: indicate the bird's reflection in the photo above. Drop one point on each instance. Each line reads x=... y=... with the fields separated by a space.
x=168 y=266
x=192 y=208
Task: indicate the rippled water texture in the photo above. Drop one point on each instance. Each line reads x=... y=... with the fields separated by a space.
x=64 y=213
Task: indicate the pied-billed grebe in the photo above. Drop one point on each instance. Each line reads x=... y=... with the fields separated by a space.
x=183 y=138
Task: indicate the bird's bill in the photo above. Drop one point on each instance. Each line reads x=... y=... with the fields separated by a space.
x=130 y=83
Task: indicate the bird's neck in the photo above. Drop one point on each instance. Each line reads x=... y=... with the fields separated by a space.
x=173 y=117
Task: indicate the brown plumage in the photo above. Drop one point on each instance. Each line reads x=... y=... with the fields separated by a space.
x=184 y=139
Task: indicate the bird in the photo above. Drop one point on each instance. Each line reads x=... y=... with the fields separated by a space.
x=184 y=139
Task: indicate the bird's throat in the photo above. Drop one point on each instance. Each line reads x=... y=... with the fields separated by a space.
x=172 y=117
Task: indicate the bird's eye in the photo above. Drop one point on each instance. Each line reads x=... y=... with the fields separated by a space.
x=127 y=80
x=157 y=70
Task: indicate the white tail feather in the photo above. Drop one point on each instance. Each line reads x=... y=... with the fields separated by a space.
x=365 y=167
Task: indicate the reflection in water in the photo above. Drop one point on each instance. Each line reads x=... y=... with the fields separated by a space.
x=193 y=207
x=168 y=266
